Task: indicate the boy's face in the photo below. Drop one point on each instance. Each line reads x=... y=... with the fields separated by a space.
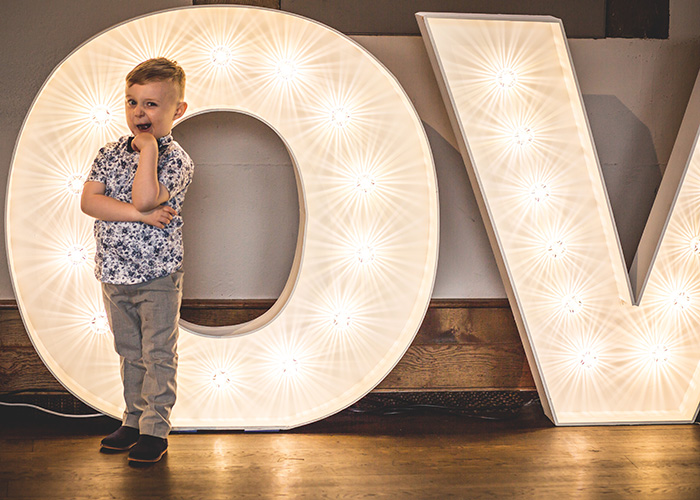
x=152 y=107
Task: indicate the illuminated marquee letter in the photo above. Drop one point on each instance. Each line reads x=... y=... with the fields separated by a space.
x=603 y=351
x=365 y=262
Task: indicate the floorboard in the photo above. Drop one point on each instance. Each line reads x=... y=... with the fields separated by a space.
x=357 y=455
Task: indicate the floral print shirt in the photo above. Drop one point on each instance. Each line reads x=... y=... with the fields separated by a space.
x=133 y=252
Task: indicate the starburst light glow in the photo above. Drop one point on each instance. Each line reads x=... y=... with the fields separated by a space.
x=74 y=184
x=695 y=246
x=659 y=354
x=76 y=255
x=221 y=379
x=572 y=304
x=506 y=78
x=556 y=249
x=99 y=323
x=221 y=56
x=539 y=193
x=340 y=116
x=231 y=55
x=550 y=139
x=290 y=367
x=286 y=69
x=101 y=116
x=365 y=254
x=588 y=360
x=681 y=301
x=365 y=183
x=342 y=320
x=523 y=136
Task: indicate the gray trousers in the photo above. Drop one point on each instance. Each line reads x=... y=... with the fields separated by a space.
x=144 y=319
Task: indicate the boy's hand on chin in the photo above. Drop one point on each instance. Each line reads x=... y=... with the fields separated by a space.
x=143 y=140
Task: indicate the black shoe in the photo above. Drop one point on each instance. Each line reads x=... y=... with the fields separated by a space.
x=148 y=449
x=121 y=440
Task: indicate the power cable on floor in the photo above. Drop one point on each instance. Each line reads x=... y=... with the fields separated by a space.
x=51 y=412
x=41 y=408
x=503 y=406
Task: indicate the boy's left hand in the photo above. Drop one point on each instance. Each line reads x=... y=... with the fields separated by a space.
x=159 y=217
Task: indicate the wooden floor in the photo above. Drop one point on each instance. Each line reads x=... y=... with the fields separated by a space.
x=412 y=456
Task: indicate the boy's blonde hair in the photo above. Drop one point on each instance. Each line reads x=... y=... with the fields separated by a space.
x=158 y=69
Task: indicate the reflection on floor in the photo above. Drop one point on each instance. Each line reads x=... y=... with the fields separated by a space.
x=424 y=453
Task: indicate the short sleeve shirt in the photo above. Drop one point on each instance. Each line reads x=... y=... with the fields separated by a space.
x=128 y=253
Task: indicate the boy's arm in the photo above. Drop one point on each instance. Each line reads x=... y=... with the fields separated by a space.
x=96 y=204
x=147 y=192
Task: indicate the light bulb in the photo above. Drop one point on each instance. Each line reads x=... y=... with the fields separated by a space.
x=100 y=115
x=99 y=323
x=539 y=193
x=221 y=379
x=695 y=245
x=506 y=78
x=556 y=249
x=76 y=255
x=681 y=301
x=365 y=254
x=342 y=320
x=74 y=184
x=523 y=136
x=659 y=353
x=286 y=70
x=365 y=183
x=588 y=360
x=220 y=56
x=340 y=117
x=572 y=304
x=290 y=367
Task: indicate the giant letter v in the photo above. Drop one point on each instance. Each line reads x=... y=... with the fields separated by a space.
x=603 y=348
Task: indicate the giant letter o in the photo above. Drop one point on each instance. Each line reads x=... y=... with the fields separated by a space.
x=365 y=262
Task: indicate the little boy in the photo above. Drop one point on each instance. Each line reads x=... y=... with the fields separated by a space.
x=135 y=190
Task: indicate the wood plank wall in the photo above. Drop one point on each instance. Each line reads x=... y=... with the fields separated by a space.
x=462 y=345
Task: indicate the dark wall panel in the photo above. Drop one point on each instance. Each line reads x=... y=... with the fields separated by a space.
x=582 y=18
x=637 y=18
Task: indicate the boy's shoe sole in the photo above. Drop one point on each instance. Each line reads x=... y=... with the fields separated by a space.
x=113 y=448
x=147 y=461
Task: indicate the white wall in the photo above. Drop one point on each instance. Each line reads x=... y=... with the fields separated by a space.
x=241 y=212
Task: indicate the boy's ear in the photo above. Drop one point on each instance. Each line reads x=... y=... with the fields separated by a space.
x=180 y=110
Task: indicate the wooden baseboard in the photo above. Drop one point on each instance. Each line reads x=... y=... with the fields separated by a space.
x=462 y=345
